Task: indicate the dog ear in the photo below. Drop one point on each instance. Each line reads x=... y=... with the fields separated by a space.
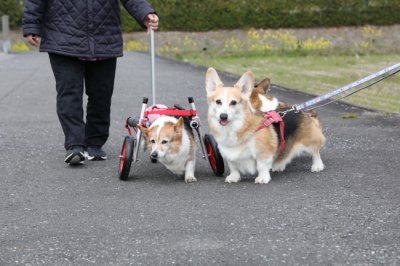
x=212 y=81
x=246 y=84
x=145 y=130
x=179 y=125
x=264 y=85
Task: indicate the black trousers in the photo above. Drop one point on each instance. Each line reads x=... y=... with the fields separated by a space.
x=73 y=77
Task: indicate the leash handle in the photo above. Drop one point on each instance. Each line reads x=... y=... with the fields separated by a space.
x=153 y=78
x=298 y=107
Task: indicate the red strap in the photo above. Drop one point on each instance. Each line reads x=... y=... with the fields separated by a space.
x=128 y=128
x=171 y=112
x=273 y=117
x=270 y=118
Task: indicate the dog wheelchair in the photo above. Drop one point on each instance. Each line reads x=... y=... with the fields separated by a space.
x=132 y=142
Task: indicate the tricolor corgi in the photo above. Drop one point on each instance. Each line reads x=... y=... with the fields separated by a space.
x=262 y=102
x=170 y=142
x=302 y=129
x=235 y=124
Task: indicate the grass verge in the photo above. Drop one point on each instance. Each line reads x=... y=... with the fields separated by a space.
x=314 y=74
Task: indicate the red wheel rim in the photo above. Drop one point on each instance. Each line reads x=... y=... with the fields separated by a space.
x=122 y=157
x=211 y=156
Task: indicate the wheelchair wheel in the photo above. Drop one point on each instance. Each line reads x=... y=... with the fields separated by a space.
x=214 y=157
x=125 y=159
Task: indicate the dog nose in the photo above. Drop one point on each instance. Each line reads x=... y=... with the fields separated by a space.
x=223 y=116
x=154 y=155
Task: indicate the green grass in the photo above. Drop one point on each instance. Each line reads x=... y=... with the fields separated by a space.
x=278 y=56
x=314 y=74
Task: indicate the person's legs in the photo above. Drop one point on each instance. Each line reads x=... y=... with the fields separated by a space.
x=69 y=73
x=99 y=84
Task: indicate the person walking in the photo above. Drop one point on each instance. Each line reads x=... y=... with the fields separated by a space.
x=83 y=40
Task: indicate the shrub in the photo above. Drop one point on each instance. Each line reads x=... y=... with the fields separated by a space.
x=12 y=8
x=188 y=15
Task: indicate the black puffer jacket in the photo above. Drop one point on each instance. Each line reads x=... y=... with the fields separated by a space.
x=82 y=28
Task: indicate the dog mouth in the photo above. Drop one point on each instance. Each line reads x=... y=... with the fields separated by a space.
x=223 y=122
x=223 y=119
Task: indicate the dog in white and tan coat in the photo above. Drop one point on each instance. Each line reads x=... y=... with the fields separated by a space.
x=234 y=119
x=173 y=145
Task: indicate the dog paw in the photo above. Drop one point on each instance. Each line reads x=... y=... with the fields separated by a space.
x=262 y=180
x=317 y=167
x=232 y=178
x=278 y=168
x=190 y=179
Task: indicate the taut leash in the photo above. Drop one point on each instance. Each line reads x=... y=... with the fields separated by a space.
x=308 y=104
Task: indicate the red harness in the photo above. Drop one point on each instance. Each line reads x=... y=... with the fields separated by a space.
x=171 y=112
x=273 y=117
x=163 y=111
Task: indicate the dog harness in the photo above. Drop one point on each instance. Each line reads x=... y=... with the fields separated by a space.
x=273 y=117
x=171 y=112
x=155 y=111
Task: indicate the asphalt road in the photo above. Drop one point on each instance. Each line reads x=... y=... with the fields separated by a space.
x=53 y=214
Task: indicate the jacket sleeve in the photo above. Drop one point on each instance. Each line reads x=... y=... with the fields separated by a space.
x=138 y=9
x=32 y=17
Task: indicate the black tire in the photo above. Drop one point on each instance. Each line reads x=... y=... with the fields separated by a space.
x=213 y=154
x=125 y=159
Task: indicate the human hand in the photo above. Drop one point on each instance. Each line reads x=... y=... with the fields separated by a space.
x=33 y=40
x=151 y=21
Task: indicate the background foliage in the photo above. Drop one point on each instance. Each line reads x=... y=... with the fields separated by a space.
x=189 y=15
x=12 y=8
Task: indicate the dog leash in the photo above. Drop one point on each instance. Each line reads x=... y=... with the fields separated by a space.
x=309 y=104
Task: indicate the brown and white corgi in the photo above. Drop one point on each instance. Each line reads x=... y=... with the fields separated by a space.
x=170 y=142
x=261 y=101
x=302 y=129
x=234 y=123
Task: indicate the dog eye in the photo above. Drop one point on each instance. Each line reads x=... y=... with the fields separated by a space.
x=218 y=102
x=233 y=103
x=164 y=142
x=153 y=141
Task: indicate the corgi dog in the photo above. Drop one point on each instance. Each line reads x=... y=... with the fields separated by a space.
x=170 y=142
x=235 y=123
x=303 y=131
x=262 y=102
